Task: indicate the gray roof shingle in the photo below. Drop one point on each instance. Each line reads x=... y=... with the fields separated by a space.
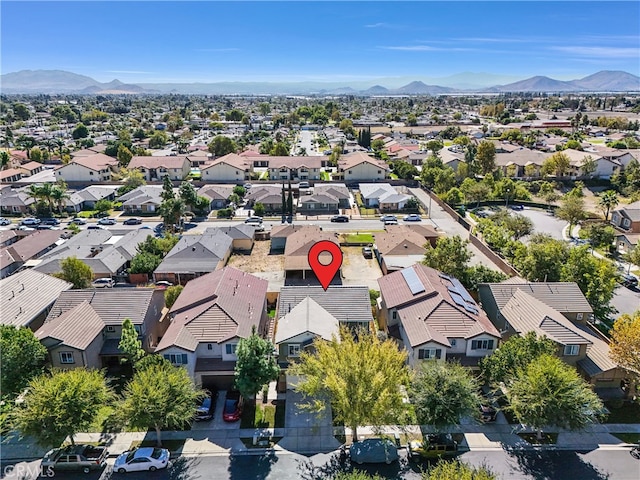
x=346 y=303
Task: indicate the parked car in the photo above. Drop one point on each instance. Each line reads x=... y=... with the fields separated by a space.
x=103 y=283
x=44 y=227
x=83 y=458
x=516 y=207
x=30 y=221
x=124 y=285
x=254 y=220
x=78 y=221
x=106 y=221
x=391 y=222
x=303 y=185
x=340 y=219
x=247 y=186
x=414 y=217
x=385 y=218
x=232 y=406
x=373 y=450
x=367 y=252
x=435 y=445
x=4 y=221
x=207 y=407
x=96 y=227
x=163 y=284
x=132 y=221
x=488 y=413
x=145 y=458
x=49 y=221
x=629 y=280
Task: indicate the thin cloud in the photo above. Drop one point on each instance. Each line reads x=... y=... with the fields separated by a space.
x=426 y=48
x=217 y=50
x=609 y=52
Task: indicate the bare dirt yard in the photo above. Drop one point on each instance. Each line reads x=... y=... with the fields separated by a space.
x=357 y=270
x=259 y=261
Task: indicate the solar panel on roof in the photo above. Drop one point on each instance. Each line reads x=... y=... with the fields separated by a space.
x=470 y=309
x=462 y=291
x=458 y=299
x=413 y=282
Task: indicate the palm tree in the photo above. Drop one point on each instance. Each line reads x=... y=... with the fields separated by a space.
x=608 y=201
x=171 y=211
x=59 y=195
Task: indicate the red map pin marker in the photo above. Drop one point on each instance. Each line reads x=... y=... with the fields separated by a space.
x=325 y=272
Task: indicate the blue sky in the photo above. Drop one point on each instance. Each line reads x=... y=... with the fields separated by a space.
x=319 y=41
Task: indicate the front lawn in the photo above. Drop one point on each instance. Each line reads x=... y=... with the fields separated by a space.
x=628 y=413
x=628 y=437
x=257 y=415
x=359 y=238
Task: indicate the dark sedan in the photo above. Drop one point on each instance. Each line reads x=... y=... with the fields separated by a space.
x=132 y=221
x=340 y=219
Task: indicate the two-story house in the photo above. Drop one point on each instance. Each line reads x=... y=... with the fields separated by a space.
x=626 y=220
x=559 y=311
x=154 y=169
x=434 y=317
x=294 y=168
x=360 y=167
x=87 y=169
x=210 y=316
x=229 y=168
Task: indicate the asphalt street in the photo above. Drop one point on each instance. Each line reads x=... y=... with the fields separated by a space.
x=518 y=465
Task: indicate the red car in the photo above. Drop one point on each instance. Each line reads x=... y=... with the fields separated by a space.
x=232 y=407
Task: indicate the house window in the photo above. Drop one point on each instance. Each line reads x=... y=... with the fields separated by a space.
x=111 y=328
x=571 y=350
x=429 y=353
x=379 y=172
x=453 y=342
x=231 y=348
x=177 y=358
x=481 y=344
x=579 y=316
x=209 y=346
x=66 y=357
x=394 y=315
x=626 y=222
x=294 y=350
x=350 y=172
x=90 y=173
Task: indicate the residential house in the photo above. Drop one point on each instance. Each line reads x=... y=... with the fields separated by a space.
x=434 y=317
x=229 y=168
x=627 y=218
x=32 y=246
x=210 y=316
x=337 y=190
x=144 y=199
x=558 y=311
x=10 y=175
x=194 y=256
x=294 y=168
x=318 y=204
x=383 y=196
x=521 y=162
x=242 y=236
x=83 y=329
x=31 y=168
x=296 y=256
x=107 y=252
x=9 y=237
x=198 y=158
x=428 y=233
x=451 y=156
x=154 y=169
x=280 y=234
x=26 y=297
x=218 y=195
x=398 y=249
x=605 y=167
x=94 y=193
x=15 y=200
x=268 y=195
x=360 y=167
x=88 y=169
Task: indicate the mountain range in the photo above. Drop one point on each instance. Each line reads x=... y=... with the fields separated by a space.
x=60 y=81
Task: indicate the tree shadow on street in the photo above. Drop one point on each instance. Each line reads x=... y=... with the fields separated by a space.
x=551 y=465
x=307 y=470
x=242 y=467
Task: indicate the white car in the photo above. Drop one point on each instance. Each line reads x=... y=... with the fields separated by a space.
x=106 y=221
x=146 y=458
x=4 y=221
x=78 y=221
x=412 y=218
x=103 y=283
x=30 y=222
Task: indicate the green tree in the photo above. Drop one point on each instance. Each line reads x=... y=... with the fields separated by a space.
x=256 y=365
x=633 y=256
x=36 y=155
x=145 y=263
x=22 y=357
x=596 y=277
x=442 y=393
x=457 y=470
x=240 y=191
x=21 y=111
x=542 y=260
x=171 y=294
x=450 y=255
x=589 y=165
x=5 y=160
x=290 y=203
x=486 y=157
x=571 y=210
x=513 y=356
x=124 y=155
x=258 y=209
x=59 y=194
x=557 y=164
x=434 y=145
x=130 y=343
x=478 y=274
x=81 y=131
x=600 y=234
x=76 y=272
x=280 y=149
x=132 y=180
x=361 y=379
x=171 y=212
x=167 y=189
x=625 y=342
x=189 y=195
x=221 y=145
x=60 y=404
x=103 y=206
x=550 y=393
x=158 y=140
x=159 y=396
x=608 y=201
x=477 y=192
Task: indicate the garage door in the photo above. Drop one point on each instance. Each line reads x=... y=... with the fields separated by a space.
x=220 y=382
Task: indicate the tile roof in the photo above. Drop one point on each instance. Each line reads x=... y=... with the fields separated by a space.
x=284 y=231
x=215 y=308
x=338 y=190
x=433 y=314
x=561 y=296
x=25 y=249
x=525 y=314
x=216 y=192
x=426 y=231
x=347 y=303
x=26 y=294
x=296 y=251
x=306 y=316
x=242 y=231
x=97 y=161
x=231 y=159
x=176 y=161
x=294 y=162
x=400 y=242
x=76 y=328
x=353 y=159
x=97 y=192
x=111 y=305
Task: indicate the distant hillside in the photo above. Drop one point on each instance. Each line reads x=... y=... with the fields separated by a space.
x=58 y=81
x=609 y=81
